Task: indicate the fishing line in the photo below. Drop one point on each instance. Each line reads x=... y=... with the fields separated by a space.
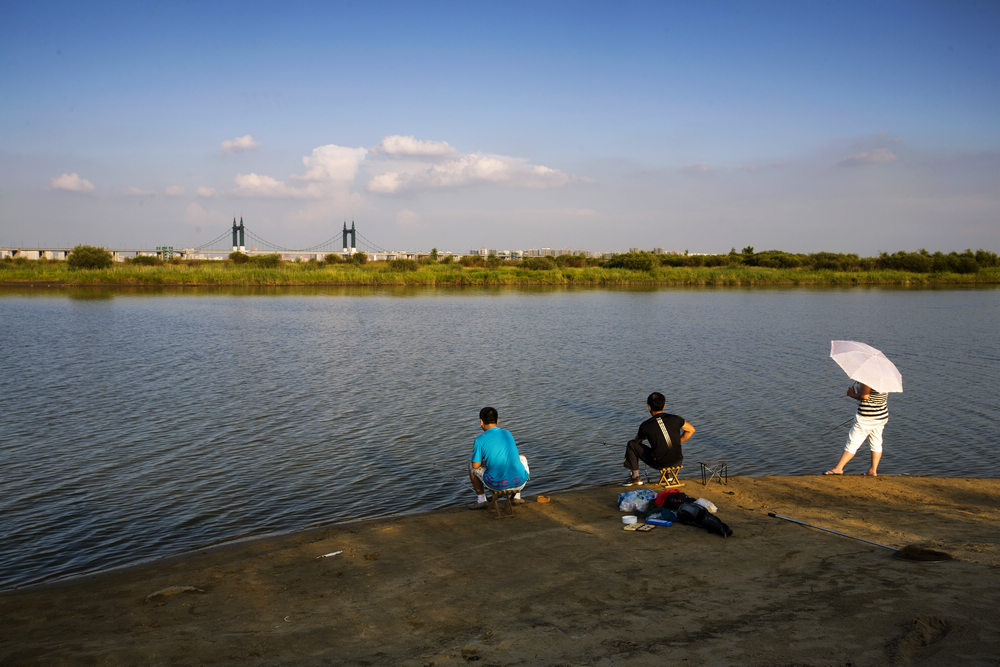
x=841 y=425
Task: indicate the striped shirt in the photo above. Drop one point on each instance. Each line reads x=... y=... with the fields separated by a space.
x=876 y=406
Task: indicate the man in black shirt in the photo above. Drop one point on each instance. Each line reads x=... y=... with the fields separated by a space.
x=665 y=433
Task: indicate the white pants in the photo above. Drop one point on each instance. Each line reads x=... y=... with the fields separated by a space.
x=865 y=427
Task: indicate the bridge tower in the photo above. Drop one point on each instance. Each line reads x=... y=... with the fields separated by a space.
x=241 y=246
x=353 y=248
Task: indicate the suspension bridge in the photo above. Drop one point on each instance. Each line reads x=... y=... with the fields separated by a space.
x=344 y=244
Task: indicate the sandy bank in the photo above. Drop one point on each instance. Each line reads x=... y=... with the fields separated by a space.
x=562 y=583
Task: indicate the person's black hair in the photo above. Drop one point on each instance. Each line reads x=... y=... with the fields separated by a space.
x=489 y=415
x=656 y=401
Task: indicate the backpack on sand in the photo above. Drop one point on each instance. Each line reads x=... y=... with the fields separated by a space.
x=695 y=515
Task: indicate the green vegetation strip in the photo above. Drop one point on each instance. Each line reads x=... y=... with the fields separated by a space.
x=745 y=269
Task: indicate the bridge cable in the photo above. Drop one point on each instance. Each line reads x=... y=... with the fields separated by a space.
x=325 y=245
x=215 y=240
x=265 y=242
x=371 y=243
x=320 y=246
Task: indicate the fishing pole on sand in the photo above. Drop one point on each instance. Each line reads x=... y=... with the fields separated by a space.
x=909 y=552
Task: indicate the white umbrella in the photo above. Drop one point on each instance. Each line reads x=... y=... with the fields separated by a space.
x=867 y=365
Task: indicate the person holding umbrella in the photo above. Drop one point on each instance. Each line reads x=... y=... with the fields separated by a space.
x=869 y=368
x=870 y=419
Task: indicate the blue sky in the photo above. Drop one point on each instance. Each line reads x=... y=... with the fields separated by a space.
x=801 y=126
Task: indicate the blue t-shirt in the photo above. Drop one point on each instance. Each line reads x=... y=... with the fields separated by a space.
x=496 y=450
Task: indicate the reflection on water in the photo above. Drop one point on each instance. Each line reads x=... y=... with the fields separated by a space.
x=155 y=421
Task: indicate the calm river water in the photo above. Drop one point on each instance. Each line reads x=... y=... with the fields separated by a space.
x=136 y=425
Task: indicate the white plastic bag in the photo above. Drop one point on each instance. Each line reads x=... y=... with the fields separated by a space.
x=707 y=504
x=636 y=501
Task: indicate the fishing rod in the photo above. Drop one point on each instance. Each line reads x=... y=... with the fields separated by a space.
x=841 y=425
x=909 y=552
x=809 y=525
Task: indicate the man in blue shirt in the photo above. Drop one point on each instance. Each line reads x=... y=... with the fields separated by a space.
x=495 y=462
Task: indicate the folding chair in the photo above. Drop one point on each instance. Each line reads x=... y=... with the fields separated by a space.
x=506 y=494
x=668 y=476
x=714 y=470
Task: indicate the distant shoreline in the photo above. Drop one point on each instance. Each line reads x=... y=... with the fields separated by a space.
x=45 y=275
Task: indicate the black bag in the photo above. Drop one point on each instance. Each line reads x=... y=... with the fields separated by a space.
x=691 y=514
x=675 y=499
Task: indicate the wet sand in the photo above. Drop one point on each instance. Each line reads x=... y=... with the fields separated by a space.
x=562 y=583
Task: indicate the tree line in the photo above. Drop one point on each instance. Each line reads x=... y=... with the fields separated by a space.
x=921 y=261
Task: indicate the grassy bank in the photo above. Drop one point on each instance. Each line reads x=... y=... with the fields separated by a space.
x=455 y=275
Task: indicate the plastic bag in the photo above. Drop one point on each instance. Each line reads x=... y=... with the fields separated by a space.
x=707 y=504
x=636 y=501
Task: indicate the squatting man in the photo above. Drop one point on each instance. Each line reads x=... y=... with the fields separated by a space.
x=496 y=463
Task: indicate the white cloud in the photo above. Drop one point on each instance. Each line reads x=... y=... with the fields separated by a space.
x=133 y=191
x=239 y=144
x=333 y=163
x=71 y=183
x=330 y=170
x=400 y=146
x=174 y=190
x=398 y=164
x=876 y=156
x=469 y=169
x=386 y=183
x=480 y=168
x=464 y=170
x=259 y=185
x=205 y=191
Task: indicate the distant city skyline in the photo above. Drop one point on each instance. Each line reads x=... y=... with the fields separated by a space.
x=853 y=127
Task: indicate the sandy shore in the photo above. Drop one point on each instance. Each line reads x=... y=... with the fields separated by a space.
x=562 y=583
